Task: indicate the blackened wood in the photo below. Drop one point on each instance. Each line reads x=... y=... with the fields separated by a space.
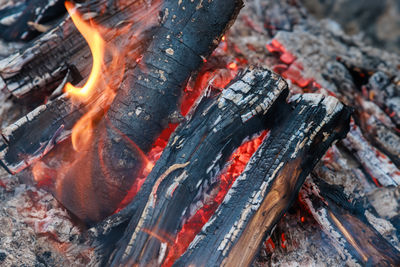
x=187 y=33
x=385 y=91
x=196 y=152
x=98 y=178
x=265 y=190
x=346 y=225
x=59 y=56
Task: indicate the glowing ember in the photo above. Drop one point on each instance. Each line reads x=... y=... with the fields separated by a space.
x=283 y=240
x=193 y=226
x=218 y=78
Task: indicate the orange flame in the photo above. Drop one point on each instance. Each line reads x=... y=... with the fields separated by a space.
x=96 y=45
x=82 y=131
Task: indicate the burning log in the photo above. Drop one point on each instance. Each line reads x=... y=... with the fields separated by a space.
x=268 y=186
x=198 y=150
x=347 y=225
x=96 y=178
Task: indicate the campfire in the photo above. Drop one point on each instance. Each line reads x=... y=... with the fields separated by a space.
x=195 y=133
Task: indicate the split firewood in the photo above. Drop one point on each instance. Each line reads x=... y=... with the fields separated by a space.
x=195 y=154
x=269 y=184
x=92 y=181
x=347 y=226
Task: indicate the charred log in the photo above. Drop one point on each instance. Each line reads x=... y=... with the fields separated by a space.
x=146 y=100
x=347 y=226
x=268 y=186
x=196 y=152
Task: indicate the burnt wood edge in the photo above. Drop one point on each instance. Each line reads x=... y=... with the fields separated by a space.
x=269 y=184
x=196 y=152
x=347 y=226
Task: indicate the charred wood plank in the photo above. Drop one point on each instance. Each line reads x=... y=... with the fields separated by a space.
x=347 y=226
x=147 y=98
x=269 y=184
x=196 y=152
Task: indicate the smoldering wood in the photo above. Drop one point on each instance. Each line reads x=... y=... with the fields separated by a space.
x=145 y=102
x=196 y=152
x=353 y=184
x=346 y=65
x=320 y=55
x=263 y=192
x=347 y=226
x=365 y=78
